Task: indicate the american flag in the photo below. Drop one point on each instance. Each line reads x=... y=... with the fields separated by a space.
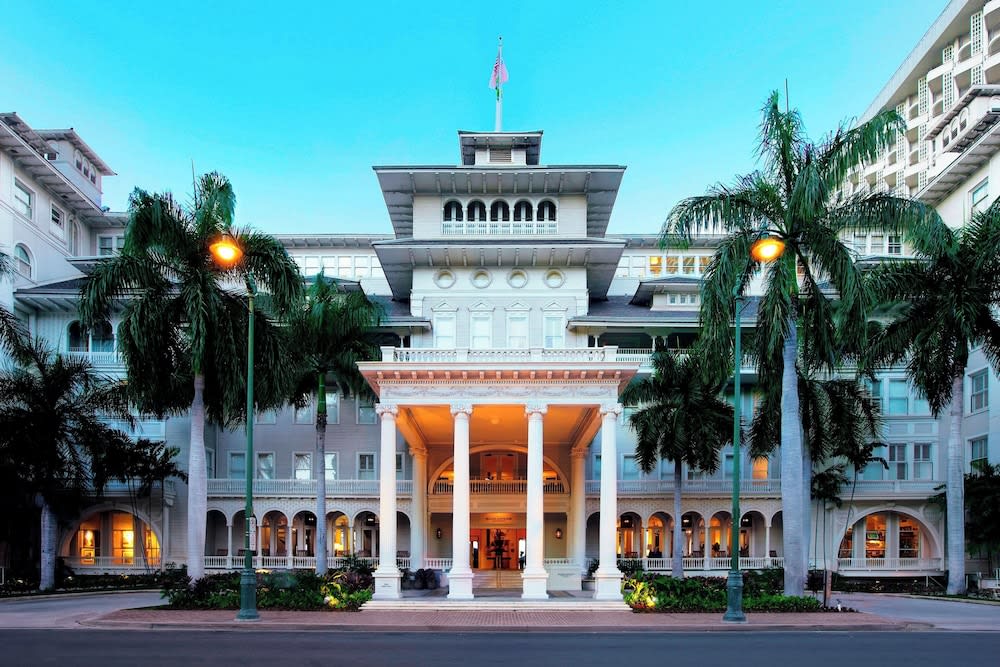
x=499 y=76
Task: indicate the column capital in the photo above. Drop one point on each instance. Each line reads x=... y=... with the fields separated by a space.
x=386 y=409
x=611 y=408
x=461 y=409
x=535 y=408
x=578 y=455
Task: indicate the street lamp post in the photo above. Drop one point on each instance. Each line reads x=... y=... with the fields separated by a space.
x=764 y=250
x=227 y=253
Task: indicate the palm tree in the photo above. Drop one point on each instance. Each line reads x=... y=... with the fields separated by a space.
x=10 y=329
x=183 y=327
x=53 y=442
x=682 y=419
x=332 y=331
x=950 y=299
x=794 y=198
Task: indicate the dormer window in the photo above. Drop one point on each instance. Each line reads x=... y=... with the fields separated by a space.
x=546 y=211
x=523 y=211
x=453 y=212
x=499 y=211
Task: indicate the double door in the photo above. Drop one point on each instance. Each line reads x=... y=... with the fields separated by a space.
x=497 y=548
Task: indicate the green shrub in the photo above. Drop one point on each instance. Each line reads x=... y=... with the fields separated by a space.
x=782 y=603
x=761 y=592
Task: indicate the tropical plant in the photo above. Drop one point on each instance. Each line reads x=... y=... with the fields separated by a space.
x=332 y=331
x=183 y=327
x=682 y=419
x=54 y=444
x=11 y=330
x=950 y=297
x=794 y=197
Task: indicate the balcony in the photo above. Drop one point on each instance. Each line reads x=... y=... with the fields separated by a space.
x=112 y=564
x=303 y=488
x=498 y=487
x=607 y=354
x=863 y=565
x=96 y=359
x=918 y=488
x=711 y=487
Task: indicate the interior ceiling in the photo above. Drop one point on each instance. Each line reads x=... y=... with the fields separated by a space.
x=499 y=424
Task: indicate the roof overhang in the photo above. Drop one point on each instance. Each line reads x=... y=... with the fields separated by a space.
x=531 y=142
x=967 y=162
x=599 y=183
x=400 y=257
x=647 y=288
x=342 y=241
x=72 y=137
x=28 y=150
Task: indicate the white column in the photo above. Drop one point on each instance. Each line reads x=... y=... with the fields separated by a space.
x=229 y=546
x=387 y=574
x=767 y=541
x=460 y=577
x=418 y=524
x=535 y=579
x=608 y=578
x=578 y=510
x=708 y=545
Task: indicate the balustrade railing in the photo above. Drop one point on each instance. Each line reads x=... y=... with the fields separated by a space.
x=437 y=563
x=113 y=563
x=882 y=564
x=922 y=487
x=497 y=486
x=96 y=359
x=656 y=487
x=501 y=355
x=340 y=488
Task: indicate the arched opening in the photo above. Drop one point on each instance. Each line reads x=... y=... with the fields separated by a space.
x=113 y=540
x=22 y=260
x=659 y=536
x=499 y=211
x=887 y=540
x=82 y=339
x=693 y=529
x=629 y=538
x=303 y=536
x=753 y=535
x=366 y=535
x=546 y=211
x=719 y=532
x=273 y=535
x=777 y=536
x=477 y=211
x=523 y=211
x=217 y=536
x=453 y=211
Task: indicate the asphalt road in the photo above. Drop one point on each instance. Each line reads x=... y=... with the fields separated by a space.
x=246 y=649
x=64 y=611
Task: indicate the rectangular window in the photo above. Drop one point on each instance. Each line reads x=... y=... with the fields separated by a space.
x=332 y=408
x=727 y=466
x=237 y=465
x=630 y=469
x=109 y=245
x=597 y=466
x=979 y=195
x=265 y=465
x=672 y=263
x=302 y=466
x=979 y=391
x=874 y=470
x=655 y=265
x=58 y=219
x=895 y=245
x=444 y=331
x=480 y=331
x=555 y=331
x=209 y=463
x=875 y=391
x=304 y=415
x=331 y=466
x=622 y=271
x=311 y=266
x=268 y=417
x=366 y=466
x=923 y=467
x=899 y=395
x=703 y=262
x=859 y=243
x=638 y=267
x=980 y=454
x=361 y=267
x=24 y=200
x=688 y=263
x=366 y=412
x=517 y=331
x=400 y=466
x=897 y=461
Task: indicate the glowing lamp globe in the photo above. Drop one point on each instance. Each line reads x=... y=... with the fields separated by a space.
x=226 y=251
x=767 y=249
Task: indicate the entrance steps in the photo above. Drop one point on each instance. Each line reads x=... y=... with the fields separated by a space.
x=496 y=579
x=496 y=604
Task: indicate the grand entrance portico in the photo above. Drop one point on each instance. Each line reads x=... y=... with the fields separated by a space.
x=550 y=403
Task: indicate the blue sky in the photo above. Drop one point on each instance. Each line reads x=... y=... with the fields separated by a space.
x=295 y=104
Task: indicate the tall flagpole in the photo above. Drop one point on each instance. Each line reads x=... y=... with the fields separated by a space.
x=499 y=114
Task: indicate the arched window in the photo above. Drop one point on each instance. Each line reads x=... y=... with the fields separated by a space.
x=522 y=211
x=81 y=339
x=499 y=211
x=73 y=241
x=453 y=212
x=22 y=260
x=546 y=211
x=477 y=211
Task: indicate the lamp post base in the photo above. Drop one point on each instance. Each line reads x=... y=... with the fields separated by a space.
x=734 y=598
x=248 y=597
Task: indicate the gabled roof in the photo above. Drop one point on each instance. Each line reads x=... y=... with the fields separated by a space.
x=647 y=288
x=71 y=136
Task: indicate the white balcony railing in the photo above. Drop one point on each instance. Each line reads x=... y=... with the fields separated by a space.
x=499 y=228
x=112 y=564
x=497 y=487
x=922 y=487
x=890 y=564
x=659 y=487
x=305 y=488
x=96 y=359
x=607 y=354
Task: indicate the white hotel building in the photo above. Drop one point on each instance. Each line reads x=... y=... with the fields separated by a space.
x=498 y=453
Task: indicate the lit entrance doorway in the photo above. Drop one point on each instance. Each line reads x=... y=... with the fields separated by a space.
x=497 y=548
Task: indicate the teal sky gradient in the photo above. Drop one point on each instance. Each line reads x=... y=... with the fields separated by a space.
x=295 y=103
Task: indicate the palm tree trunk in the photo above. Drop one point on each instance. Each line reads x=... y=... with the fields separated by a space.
x=791 y=469
x=319 y=467
x=955 y=492
x=197 y=483
x=677 y=560
x=49 y=537
x=806 y=503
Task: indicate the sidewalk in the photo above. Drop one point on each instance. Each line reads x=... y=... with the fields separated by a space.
x=491 y=621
